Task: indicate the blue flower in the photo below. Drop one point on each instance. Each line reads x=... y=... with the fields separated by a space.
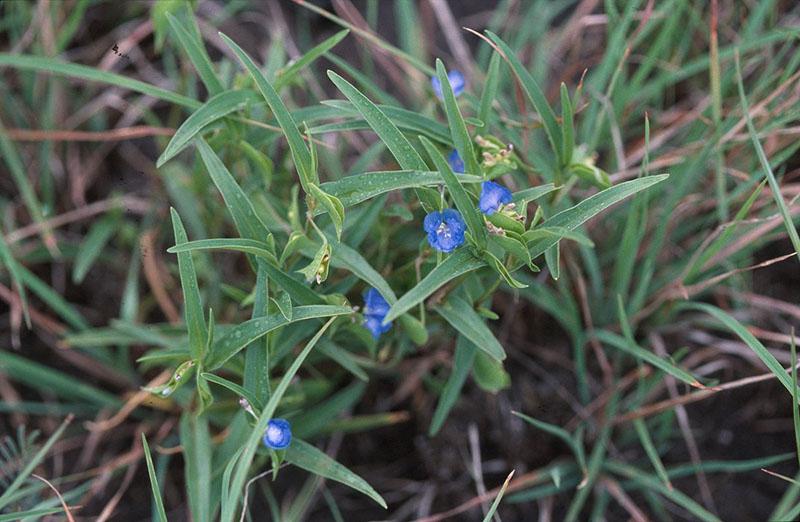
x=445 y=229
x=375 y=309
x=456 y=80
x=278 y=434
x=492 y=196
x=455 y=161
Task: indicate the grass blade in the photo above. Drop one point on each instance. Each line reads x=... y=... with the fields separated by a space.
x=73 y=70
x=498 y=498
x=749 y=339
x=286 y=75
x=162 y=515
x=762 y=158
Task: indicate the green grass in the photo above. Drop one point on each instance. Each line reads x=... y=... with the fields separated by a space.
x=230 y=291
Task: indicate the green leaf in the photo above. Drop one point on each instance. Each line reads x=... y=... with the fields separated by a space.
x=300 y=153
x=215 y=108
x=309 y=458
x=244 y=216
x=567 y=127
x=92 y=246
x=460 y=262
x=749 y=339
x=762 y=158
x=649 y=357
x=471 y=214
x=458 y=129
x=532 y=194
x=462 y=364
x=235 y=388
x=489 y=89
x=197 y=450
x=62 y=68
x=534 y=92
x=151 y=472
x=194 y=48
x=573 y=217
x=193 y=307
x=332 y=204
x=236 y=338
x=466 y=320
x=286 y=75
x=352 y=190
x=13 y=269
x=52 y=381
x=398 y=145
x=564 y=435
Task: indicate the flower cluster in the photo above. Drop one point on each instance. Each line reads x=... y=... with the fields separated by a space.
x=278 y=434
x=375 y=309
x=454 y=78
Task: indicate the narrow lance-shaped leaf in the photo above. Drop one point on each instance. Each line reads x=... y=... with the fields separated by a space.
x=300 y=153
x=573 y=217
x=193 y=308
x=398 y=145
x=466 y=320
x=215 y=108
x=193 y=47
x=308 y=457
x=287 y=74
x=243 y=334
x=462 y=364
x=354 y=189
x=244 y=216
x=458 y=263
x=458 y=129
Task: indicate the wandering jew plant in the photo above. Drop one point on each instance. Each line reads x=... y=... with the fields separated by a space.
x=314 y=231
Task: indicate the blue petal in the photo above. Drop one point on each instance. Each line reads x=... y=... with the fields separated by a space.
x=374 y=303
x=457 y=82
x=278 y=434
x=432 y=222
x=456 y=163
x=492 y=196
x=454 y=78
x=374 y=324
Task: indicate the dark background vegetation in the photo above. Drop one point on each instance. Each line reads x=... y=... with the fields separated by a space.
x=418 y=475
